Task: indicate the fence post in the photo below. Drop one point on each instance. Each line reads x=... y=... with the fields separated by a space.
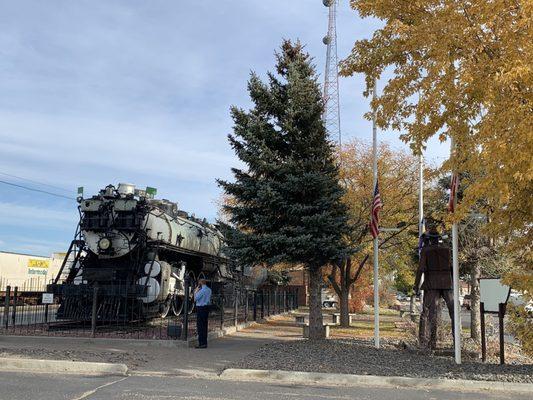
x=236 y=307
x=501 y=315
x=290 y=299
x=262 y=304
x=186 y=290
x=222 y=304
x=246 y=294
x=6 y=306
x=14 y=314
x=483 y=342
x=93 y=311
x=255 y=305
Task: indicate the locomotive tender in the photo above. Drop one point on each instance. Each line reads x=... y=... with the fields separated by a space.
x=133 y=253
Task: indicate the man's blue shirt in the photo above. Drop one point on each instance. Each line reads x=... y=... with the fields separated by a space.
x=203 y=296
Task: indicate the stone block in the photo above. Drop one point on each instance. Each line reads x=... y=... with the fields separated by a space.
x=325 y=327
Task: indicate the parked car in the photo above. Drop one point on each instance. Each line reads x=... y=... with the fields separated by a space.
x=516 y=298
x=402 y=297
x=329 y=300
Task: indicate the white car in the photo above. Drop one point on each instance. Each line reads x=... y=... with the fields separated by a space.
x=328 y=300
x=517 y=299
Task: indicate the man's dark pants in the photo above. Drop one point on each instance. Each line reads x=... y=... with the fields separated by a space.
x=429 y=316
x=202 y=318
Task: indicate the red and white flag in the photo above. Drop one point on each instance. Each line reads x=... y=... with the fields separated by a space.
x=376 y=207
x=454 y=187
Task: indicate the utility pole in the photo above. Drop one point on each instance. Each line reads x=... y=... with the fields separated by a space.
x=331 y=114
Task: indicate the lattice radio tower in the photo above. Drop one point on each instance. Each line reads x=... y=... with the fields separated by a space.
x=332 y=113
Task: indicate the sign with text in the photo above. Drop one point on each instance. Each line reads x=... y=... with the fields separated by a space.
x=38 y=267
x=48 y=298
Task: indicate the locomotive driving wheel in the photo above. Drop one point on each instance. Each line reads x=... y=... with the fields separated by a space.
x=164 y=308
x=177 y=301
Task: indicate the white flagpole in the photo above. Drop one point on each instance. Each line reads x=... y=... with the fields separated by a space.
x=376 y=264
x=421 y=211
x=455 y=264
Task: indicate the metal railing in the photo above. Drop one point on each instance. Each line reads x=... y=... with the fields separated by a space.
x=24 y=313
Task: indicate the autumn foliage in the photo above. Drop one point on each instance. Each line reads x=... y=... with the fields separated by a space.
x=463 y=70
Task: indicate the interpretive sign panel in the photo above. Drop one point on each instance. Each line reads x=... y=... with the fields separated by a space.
x=493 y=293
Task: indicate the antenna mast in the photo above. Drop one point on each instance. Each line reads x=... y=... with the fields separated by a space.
x=331 y=84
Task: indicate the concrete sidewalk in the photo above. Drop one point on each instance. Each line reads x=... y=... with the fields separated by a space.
x=156 y=357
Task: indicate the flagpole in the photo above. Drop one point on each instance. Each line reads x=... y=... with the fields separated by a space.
x=455 y=265
x=421 y=211
x=376 y=244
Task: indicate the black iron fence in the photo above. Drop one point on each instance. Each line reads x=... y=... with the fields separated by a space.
x=38 y=313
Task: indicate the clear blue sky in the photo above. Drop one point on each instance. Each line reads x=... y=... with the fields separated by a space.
x=99 y=92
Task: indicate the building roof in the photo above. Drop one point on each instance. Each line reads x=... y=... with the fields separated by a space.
x=23 y=254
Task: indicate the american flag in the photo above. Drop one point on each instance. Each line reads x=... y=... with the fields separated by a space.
x=454 y=187
x=376 y=206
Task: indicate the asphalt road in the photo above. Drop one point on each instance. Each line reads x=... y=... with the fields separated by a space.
x=51 y=387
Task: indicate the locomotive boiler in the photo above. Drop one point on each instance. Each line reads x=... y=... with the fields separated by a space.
x=133 y=253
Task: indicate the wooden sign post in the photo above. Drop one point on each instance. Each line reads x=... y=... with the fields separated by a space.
x=494 y=297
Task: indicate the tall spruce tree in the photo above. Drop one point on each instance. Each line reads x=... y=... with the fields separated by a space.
x=287 y=204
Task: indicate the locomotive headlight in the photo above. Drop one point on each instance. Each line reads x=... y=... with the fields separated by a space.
x=104 y=243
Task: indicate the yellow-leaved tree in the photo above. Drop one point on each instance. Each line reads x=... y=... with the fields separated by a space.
x=398 y=184
x=463 y=70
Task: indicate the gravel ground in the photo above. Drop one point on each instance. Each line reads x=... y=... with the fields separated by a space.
x=132 y=359
x=354 y=356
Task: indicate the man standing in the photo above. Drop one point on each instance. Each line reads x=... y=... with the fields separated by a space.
x=202 y=297
x=435 y=264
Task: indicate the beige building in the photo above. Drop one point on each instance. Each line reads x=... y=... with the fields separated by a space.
x=28 y=272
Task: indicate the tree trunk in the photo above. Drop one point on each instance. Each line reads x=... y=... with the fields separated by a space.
x=475 y=317
x=412 y=304
x=344 y=308
x=316 y=330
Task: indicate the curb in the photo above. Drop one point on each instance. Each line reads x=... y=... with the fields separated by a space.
x=168 y=343
x=62 y=366
x=316 y=378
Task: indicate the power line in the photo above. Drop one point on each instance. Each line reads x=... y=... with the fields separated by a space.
x=36 y=190
x=34 y=181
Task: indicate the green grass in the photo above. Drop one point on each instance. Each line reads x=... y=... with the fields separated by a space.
x=382 y=311
x=366 y=329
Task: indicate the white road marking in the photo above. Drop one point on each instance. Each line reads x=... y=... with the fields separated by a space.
x=88 y=393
